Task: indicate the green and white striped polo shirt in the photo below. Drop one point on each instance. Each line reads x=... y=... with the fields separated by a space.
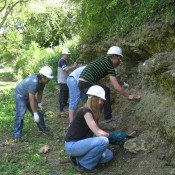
x=98 y=69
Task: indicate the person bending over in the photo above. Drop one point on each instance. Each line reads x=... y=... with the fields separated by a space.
x=100 y=68
x=25 y=98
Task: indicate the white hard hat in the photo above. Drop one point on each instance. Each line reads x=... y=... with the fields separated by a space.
x=66 y=51
x=46 y=71
x=97 y=91
x=115 y=50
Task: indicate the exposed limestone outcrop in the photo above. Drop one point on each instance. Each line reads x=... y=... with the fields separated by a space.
x=149 y=68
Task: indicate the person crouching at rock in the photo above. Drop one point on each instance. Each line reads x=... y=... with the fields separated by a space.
x=86 y=151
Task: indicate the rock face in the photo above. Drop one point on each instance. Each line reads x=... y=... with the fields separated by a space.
x=159 y=72
x=148 y=66
x=154 y=37
x=135 y=145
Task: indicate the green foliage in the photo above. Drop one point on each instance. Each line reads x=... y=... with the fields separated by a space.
x=26 y=61
x=10 y=46
x=100 y=19
x=7 y=109
x=35 y=29
x=44 y=23
x=30 y=61
x=150 y=10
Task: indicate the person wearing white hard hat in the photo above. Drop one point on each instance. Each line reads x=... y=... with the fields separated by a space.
x=62 y=74
x=85 y=150
x=25 y=98
x=100 y=68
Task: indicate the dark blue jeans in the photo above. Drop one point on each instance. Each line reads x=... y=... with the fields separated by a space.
x=22 y=104
x=64 y=95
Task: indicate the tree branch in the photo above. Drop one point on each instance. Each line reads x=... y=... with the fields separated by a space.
x=3 y=6
x=9 y=9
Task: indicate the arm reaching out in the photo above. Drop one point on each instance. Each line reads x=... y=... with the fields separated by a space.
x=119 y=89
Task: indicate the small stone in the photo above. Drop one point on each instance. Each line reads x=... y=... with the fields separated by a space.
x=44 y=149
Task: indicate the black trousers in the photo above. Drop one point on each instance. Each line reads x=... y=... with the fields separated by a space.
x=64 y=95
x=84 y=86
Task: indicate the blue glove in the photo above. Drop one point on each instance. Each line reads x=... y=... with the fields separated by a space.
x=117 y=138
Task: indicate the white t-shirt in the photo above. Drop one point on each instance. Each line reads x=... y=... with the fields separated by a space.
x=76 y=73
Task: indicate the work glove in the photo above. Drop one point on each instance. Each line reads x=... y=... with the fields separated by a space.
x=40 y=106
x=36 y=117
x=117 y=138
x=125 y=85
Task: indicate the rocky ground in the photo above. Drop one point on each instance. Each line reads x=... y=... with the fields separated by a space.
x=148 y=154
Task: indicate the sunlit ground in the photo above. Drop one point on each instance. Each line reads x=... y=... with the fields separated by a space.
x=6 y=79
x=6 y=85
x=3 y=70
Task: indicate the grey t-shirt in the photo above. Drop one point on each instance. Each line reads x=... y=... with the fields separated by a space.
x=61 y=73
x=28 y=85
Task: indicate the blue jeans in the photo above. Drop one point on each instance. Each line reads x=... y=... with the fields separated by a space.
x=90 y=152
x=74 y=93
x=22 y=104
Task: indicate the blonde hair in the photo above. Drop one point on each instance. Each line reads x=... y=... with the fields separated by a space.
x=93 y=104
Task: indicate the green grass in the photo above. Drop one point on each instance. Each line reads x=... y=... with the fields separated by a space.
x=19 y=157
x=5 y=74
x=23 y=158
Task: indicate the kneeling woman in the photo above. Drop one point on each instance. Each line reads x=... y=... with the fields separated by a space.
x=85 y=150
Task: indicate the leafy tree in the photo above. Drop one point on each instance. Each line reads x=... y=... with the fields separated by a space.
x=99 y=19
x=7 y=8
x=96 y=17
x=33 y=21
x=46 y=24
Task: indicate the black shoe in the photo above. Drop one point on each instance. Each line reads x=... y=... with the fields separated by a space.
x=73 y=160
x=64 y=110
x=85 y=170
x=113 y=118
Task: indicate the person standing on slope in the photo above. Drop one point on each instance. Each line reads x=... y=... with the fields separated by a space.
x=63 y=72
